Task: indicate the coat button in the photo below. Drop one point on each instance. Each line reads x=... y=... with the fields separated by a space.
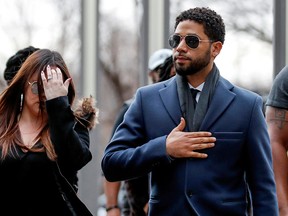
x=190 y=193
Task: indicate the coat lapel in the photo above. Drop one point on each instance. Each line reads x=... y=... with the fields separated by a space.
x=170 y=100
x=223 y=96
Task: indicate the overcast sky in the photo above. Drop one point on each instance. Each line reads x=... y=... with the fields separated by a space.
x=243 y=59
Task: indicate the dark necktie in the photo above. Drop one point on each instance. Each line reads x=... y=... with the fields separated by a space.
x=194 y=93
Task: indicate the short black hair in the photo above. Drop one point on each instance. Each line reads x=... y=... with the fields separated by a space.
x=14 y=62
x=212 y=22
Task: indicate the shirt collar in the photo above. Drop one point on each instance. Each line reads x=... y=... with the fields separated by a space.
x=200 y=87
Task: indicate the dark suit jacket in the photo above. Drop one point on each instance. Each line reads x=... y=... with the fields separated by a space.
x=216 y=185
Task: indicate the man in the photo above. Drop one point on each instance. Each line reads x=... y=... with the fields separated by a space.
x=136 y=191
x=277 y=116
x=220 y=150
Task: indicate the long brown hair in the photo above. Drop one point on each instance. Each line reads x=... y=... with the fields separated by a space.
x=10 y=100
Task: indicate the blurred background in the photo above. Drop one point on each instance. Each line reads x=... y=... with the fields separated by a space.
x=107 y=43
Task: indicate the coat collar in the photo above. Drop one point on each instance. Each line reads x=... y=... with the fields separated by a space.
x=223 y=96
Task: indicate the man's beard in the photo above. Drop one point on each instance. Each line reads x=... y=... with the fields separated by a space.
x=195 y=66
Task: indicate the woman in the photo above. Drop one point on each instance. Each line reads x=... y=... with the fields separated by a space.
x=38 y=128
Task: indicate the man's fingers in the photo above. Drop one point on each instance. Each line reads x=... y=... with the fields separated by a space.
x=197 y=155
x=181 y=125
x=203 y=140
x=202 y=146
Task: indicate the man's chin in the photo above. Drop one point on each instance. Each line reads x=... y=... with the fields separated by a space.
x=184 y=72
x=181 y=70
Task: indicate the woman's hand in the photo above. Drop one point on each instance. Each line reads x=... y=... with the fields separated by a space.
x=53 y=85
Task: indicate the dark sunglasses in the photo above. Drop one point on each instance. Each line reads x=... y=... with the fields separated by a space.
x=192 y=41
x=34 y=87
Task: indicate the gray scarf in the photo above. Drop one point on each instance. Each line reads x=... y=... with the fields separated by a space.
x=195 y=117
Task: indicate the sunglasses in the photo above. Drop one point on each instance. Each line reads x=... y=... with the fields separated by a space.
x=192 y=41
x=34 y=87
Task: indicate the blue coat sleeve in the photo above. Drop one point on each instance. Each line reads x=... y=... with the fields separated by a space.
x=130 y=154
x=260 y=175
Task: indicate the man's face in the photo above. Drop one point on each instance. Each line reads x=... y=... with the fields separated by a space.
x=188 y=60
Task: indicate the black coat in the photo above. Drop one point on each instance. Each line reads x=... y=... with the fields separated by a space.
x=27 y=182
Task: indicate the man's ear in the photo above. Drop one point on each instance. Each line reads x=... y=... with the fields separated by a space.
x=216 y=48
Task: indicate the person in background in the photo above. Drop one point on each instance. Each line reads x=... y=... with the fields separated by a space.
x=155 y=62
x=203 y=140
x=136 y=191
x=39 y=133
x=167 y=69
x=14 y=63
x=276 y=117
